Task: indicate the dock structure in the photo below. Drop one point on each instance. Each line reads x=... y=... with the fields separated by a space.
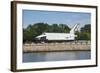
x=50 y=47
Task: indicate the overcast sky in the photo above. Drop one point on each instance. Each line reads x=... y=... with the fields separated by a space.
x=51 y=17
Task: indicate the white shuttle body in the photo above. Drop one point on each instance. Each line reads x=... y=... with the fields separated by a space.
x=59 y=36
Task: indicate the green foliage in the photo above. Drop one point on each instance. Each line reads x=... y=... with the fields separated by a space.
x=85 y=33
x=64 y=28
x=83 y=36
x=86 y=28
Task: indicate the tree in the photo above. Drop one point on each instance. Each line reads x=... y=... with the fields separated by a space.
x=55 y=28
x=64 y=28
x=85 y=33
x=86 y=28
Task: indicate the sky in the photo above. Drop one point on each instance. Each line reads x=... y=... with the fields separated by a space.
x=58 y=17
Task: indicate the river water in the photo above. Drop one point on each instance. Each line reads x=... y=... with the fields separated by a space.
x=56 y=56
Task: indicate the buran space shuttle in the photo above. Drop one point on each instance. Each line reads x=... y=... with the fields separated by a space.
x=59 y=36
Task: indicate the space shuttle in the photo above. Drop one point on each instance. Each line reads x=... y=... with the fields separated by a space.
x=59 y=36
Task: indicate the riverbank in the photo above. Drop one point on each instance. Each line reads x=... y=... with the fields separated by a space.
x=50 y=47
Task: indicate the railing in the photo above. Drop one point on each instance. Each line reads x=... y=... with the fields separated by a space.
x=53 y=43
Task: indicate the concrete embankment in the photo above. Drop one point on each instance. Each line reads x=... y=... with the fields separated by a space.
x=46 y=47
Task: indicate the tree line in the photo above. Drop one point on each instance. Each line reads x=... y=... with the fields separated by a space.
x=85 y=33
x=31 y=31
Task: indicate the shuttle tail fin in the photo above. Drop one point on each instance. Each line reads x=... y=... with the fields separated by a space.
x=75 y=28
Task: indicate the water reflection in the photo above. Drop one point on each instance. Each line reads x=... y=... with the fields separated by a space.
x=56 y=56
